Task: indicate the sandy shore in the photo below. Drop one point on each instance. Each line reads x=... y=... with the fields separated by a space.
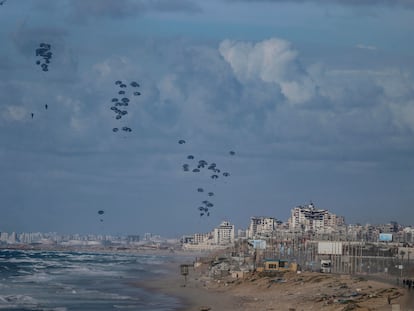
x=289 y=291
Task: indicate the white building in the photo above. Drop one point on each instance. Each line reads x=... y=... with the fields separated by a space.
x=4 y=236
x=261 y=226
x=224 y=234
x=309 y=218
x=199 y=238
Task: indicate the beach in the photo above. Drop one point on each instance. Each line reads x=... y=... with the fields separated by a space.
x=154 y=281
x=290 y=291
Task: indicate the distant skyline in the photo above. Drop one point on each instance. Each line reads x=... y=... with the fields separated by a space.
x=315 y=97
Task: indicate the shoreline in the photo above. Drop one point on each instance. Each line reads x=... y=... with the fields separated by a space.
x=278 y=291
x=290 y=291
x=192 y=293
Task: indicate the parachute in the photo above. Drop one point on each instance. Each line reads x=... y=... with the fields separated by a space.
x=123 y=102
x=134 y=84
x=198 y=167
x=43 y=51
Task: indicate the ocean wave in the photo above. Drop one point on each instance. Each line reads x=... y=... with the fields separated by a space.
x=60 y=281
x=17 y=298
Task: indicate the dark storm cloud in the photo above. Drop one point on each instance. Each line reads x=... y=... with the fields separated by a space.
x=85 y=9
x=401 y=3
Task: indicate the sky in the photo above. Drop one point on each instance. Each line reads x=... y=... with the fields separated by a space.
x=316 y=99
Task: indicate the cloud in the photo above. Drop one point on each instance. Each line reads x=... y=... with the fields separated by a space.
x=83 y=10
x=15 y=113
x=258 y=98
x=244 y=92
x=366 y=47
x=391 y=3
x=272 y=61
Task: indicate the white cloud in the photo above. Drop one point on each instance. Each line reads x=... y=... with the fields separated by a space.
x=390 y=3
x=298 y=91
x=168 y=88
x=366 y=47
x=403 y=114
x=15 y=113
x=272 y=61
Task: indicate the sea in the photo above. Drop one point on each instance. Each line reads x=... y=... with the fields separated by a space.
x=63 y=281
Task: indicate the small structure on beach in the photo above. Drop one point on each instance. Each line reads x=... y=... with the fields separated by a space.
x=240 y=274
x=270 y=265
x=184 y=271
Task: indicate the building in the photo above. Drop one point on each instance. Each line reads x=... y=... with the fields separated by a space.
x=309 y=218
x=199 y=238
x=224 y=234
x=261 y=227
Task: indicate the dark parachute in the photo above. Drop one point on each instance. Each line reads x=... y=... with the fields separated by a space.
x=212 y=166
x=43 y=51
x=134 y=84
x=122 y=102
x=101 y=212
x=205 y=210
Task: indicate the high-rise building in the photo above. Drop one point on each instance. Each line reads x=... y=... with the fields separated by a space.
x=224 y=234
x=4 y=236
x=261 y=226
x=309 y=218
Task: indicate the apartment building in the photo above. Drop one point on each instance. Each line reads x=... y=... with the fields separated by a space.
x=261 y=226
x=224 y=233
x=309 y=218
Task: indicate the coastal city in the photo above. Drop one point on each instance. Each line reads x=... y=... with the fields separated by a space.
x=311 y=242
x=311 y=237
x=306 y=221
